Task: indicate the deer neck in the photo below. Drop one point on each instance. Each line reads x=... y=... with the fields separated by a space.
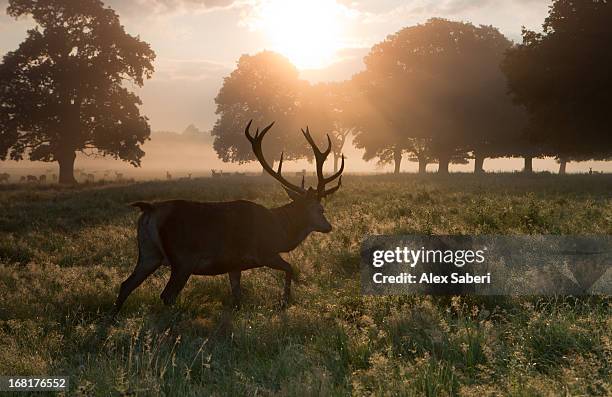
x=292 y=220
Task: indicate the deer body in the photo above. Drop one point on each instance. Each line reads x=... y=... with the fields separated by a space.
x=217 y=238
x=197 y=238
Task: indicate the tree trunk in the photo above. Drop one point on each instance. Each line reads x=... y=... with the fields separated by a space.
x=478 y=164
x=66 y=168
x=336 y=158
x=528 y=168
x=443 y=163
x=423 y=165
x=562 y=166
x=397 y=158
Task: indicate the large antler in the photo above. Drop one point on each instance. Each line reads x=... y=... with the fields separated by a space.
x=256 y=145
x=320 y=158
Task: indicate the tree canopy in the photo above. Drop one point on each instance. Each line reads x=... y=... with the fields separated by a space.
x=63 y=90
x=562 y=76
x=436 y=91
x=264 y=87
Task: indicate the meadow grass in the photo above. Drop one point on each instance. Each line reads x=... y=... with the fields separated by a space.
x=64 y=252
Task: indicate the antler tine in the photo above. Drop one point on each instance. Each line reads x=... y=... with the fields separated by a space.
x=314 y=145
x=246 y=131
x=315 y=148
x=257 y=150
x=258 y=135
x=280 y=163
x=337 y=174
x=320 y=158
x=333 y=189
x=329 y=146
x=266 y=129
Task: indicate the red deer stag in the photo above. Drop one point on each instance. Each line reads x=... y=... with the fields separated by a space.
x=229 y=237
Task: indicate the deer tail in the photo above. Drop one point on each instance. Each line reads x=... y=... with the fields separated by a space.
x=144 y=206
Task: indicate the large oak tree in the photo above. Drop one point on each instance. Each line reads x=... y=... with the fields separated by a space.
x=435 y=91
x=264 y=87
x=562 y=76
x=64 y=89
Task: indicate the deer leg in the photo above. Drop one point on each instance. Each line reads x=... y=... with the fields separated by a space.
x=147 y=264
x=178 y=279
x=279 y=263
x=234 y=278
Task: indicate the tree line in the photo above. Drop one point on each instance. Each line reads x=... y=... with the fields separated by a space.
x=439 y=92
x=443 y=92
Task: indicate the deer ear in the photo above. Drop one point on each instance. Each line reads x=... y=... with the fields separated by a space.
x=292 y=195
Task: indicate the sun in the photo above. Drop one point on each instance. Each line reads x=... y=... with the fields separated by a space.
x=308 y=32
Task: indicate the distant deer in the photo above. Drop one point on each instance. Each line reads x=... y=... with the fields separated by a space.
x=168 y=176
x=32 y=178
x=4 y=177
x=216 y=174
x=42 y=179
x=229 y=237
x=119 y=176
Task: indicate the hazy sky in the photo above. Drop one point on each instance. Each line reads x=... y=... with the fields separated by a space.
x=199 y=41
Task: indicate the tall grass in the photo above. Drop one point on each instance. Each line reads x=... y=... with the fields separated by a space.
x=64 y=252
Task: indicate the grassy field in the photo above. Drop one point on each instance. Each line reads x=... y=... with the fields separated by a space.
x=64 y=252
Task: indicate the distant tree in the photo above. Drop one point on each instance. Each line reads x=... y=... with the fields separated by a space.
x=194 y=133
x=431 y=83
x=62 y=91
x=264 y=87
x=192 y=130
x=562 y=76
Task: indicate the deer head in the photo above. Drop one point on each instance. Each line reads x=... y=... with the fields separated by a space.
x=309 y=200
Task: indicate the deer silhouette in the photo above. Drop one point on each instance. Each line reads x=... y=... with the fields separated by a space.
x=205 y=238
